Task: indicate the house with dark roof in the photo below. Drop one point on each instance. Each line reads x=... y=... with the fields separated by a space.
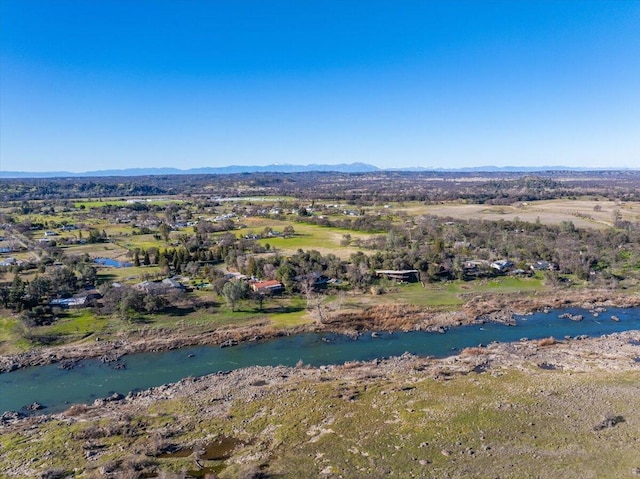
x=406 y=275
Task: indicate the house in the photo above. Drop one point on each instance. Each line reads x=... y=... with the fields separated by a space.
x=172 y=283
x=160 y=287
x=80 y=300
x=9 y=262
x=267 y=287
x=235 y=276
x=541 y=265
x=501 y=265
x=475 y=268
x=399 y=275
x=77 y=302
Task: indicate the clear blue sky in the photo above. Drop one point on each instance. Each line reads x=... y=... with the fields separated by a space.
x=95 y=84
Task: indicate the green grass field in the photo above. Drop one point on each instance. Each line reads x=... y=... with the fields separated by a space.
x=118 y=202
x=76 y=323
x=7 y=326
x=447 y=295
x=307 y=237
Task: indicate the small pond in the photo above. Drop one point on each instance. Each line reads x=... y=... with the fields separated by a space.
x=112 y=262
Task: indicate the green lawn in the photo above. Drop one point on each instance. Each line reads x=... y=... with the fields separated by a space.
x=433 y=295
x=446 y=295
x=295 y=315
x=80 y=322
x=7 y=326
x=142 y=241
x=307 y=237
x=509 y=285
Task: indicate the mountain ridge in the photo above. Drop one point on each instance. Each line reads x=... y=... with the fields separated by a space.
x=356 y=167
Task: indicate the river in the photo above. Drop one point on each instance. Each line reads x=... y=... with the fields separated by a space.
x=57 y=388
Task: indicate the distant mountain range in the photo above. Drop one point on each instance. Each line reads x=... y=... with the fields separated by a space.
x=282 y=168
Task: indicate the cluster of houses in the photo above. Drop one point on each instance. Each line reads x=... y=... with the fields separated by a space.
x=473 y=268
x=269 y=234
x=505 y=266
x=227 y=216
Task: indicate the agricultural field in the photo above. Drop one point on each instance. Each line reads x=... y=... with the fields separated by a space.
x=583 y=213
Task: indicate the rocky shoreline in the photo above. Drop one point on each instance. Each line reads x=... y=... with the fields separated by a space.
x=614 y=352
x=477 y=308
x=215 y=395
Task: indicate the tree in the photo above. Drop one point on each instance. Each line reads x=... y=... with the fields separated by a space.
x=234 y=291
x=154 y=303
x=87 y=272
x=16 y=292
x=164 y=230
x=64 y=279
x=288 y=231
x=132 y=302
x=286 y=274
x=94 y=236
x=258 y=297
x=40 y=289
x=4 y=296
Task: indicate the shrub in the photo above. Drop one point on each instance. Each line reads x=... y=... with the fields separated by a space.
x=547 y=341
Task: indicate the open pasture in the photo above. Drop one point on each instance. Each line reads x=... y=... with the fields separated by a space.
x=307 y=237
x=447 y=295
x=582 y=212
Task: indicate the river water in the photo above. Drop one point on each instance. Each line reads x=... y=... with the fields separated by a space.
x=57 y=388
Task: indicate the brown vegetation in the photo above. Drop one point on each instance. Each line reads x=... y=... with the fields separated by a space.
x=547 y=341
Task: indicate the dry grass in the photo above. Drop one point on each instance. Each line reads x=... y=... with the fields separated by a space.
x=583 y=213
x=76 y=410
x=395 y=317
x=550 y=341
x=474 y=351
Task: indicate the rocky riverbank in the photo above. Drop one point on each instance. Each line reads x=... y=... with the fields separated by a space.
x=279 y=417
x=393 y=317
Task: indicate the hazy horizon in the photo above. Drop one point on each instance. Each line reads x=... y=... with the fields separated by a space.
x=100 y=85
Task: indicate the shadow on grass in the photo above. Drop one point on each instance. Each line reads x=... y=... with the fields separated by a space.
x=178 y=311
x=106 y=278
x=279 y=309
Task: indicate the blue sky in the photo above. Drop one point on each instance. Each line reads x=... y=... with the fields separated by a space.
x=88 y=85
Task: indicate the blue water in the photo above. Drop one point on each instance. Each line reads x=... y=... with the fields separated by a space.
x=57 y=388
x=112 y=262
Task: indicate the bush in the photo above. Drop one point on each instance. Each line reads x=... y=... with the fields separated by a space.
x=547 y=341
x=474 y=351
